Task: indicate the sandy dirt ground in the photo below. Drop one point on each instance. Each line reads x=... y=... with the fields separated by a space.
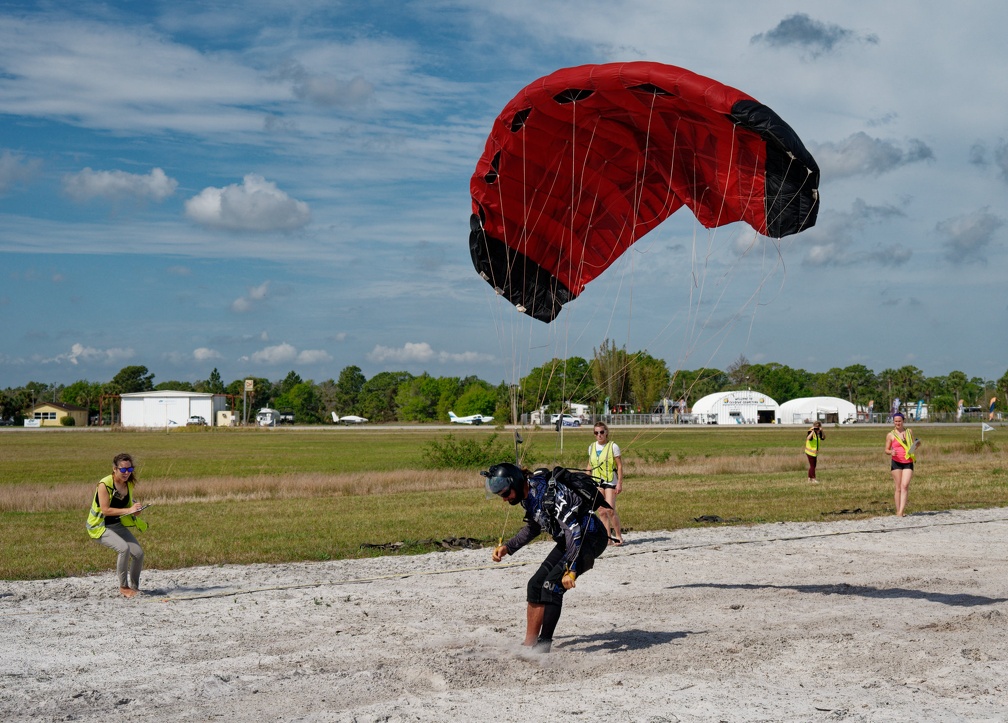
x=870 y=620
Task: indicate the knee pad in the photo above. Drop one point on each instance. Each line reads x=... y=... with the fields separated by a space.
x=542 y=590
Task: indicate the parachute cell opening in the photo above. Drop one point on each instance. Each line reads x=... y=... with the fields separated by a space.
x=518 y=122
x=573 y=95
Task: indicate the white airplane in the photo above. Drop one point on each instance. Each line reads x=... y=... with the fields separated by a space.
x=471 y=419
x=348 y=419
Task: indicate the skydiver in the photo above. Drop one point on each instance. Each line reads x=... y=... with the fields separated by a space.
x=561 y=510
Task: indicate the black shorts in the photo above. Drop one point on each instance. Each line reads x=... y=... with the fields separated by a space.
x=545 y=585
x=901 y=465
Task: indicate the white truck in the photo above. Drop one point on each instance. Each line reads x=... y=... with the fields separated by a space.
x=267 y=417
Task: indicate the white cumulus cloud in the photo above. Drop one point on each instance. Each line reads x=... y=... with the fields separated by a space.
x=287 y=354
x=88 y=184
x=861 y=155
x=204 y=354
x=245 y=303
x=89 y=355
x=422 y=352
x=15 y=169
x=314 y=356
x=278 y=354
x=254 y=205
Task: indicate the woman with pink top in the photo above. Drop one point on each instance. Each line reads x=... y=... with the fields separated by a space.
x=900 y=446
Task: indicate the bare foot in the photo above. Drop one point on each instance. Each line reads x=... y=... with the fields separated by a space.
x=128 y=592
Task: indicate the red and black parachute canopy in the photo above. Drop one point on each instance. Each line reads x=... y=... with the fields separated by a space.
x=585 y=161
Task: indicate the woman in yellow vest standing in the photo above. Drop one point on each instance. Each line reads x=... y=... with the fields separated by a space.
x=113 y=516
x=606 y=466
x=900 y=446
x=812 y=439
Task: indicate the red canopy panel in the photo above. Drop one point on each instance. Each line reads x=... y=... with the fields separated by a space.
x=587 y=160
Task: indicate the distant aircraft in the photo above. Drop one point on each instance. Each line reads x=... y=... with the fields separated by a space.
x=471 y=419
x=348 y=419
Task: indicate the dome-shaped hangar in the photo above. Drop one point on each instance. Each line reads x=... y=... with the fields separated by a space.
x=738 y=407
x=828 y=410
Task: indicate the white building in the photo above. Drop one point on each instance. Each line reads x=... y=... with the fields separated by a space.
x=916 y=411
x=828 y=410
x=169 y=409
x=739 y=407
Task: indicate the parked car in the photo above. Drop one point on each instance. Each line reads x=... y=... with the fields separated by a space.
x=196 y=421
x=568 y=420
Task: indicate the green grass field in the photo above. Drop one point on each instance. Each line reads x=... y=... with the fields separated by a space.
x=280 y=495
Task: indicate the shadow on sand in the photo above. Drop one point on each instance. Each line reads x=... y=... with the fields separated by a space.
x=890 y=593
x=614 y=640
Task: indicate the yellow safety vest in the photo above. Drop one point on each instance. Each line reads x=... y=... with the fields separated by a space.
x=96 y=520
x=602 y=462
x=812 y=445
x=906 y=445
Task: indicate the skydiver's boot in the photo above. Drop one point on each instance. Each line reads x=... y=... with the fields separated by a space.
x=551 y=616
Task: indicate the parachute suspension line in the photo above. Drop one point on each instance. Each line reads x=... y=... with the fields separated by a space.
x=765 y=275
x=756 y=295
x=640 y=172
x=728 y=181
x=517 y=352
x=578 y=262
x=498 y=311
x=520 y=332
x=613 y=254
x=515 y=362
x=694 y=313
x=754 y=298
x=507 y=516
x=696 y=285
x=752 y=318
x=545 y=383
x=693 y=334
x=699 y=285
x=576 y=190
x=697 y=290
x=630 y=227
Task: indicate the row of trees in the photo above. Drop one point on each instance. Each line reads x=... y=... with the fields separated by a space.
x=639 y=382
x=613 y=377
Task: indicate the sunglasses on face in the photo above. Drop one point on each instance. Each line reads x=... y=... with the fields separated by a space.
x=125 y=470
x=600 y=432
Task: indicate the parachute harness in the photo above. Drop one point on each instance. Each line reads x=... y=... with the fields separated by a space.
x=549 y=505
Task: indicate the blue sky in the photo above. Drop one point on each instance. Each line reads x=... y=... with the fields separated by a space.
x=266 y=186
